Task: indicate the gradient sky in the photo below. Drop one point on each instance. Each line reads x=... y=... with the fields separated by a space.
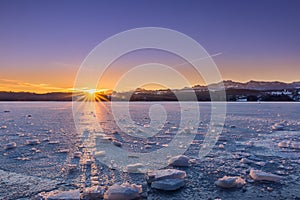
x=42 y=43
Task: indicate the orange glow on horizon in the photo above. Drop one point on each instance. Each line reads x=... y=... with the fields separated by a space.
x=239 y=70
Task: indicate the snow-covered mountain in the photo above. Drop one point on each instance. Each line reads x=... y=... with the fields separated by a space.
x=256 y=85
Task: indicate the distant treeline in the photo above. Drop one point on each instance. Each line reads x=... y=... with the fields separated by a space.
x=231 y=95
x=27 y=96
x=167 y=95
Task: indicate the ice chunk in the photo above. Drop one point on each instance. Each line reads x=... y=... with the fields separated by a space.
x=117 y=143
x=230 y=182
x=60 y=195
x=124 y=192
x=295 y=145
x=10 y=145
x=278 y=127
x=53 y=142
x=3 y=127
x=104 y=139
x=179 y=161
x=135 y=168
x=95 y=192
x=100 y=153
x=168 y=184
x=258 y=175
x=32 y=142
x=77 y=154
x=250 y=143
x=63 y=151
x=246 y=161
x=45 y=140
x=284 y=144
x=165 y=174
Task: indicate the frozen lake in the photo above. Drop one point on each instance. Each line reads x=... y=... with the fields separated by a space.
x=251 y=131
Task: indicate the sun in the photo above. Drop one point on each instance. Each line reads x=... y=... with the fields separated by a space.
x=91 y=91
x=90 y=94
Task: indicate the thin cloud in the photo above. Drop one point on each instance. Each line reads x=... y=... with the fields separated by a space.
x=16 y=85
x=203 y=58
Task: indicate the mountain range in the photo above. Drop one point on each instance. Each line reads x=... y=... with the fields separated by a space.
x=251 y=85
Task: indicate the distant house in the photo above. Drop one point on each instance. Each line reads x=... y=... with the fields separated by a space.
x=277 y=93
x=284 y=92
x=242 y=99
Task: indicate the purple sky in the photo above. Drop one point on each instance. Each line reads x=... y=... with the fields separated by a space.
x=42 y=43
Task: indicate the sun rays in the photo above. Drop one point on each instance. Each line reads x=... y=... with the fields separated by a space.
x=90 y=95
x=89 y=99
